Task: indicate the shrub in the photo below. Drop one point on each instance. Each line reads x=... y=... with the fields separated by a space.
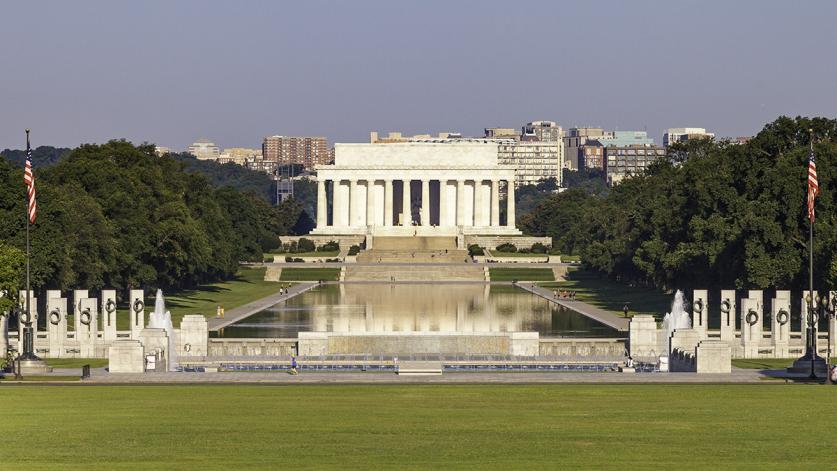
x=291 y=248
x=475 y=250
x=523 y=250
x=289 y=259
x=306 y=245
x=538 y=247
x=554 y=251
x=506 y=248
x=354 y=250
x=329 y=247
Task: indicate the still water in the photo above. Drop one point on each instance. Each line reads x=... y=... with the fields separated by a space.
x=361 y=308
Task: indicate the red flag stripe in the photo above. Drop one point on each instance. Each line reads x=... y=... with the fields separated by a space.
x=29 y=180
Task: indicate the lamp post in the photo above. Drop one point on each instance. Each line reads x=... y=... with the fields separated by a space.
x=828 y=310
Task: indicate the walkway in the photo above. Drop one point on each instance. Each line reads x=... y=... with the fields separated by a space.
x=234 y=315
x=600 y=315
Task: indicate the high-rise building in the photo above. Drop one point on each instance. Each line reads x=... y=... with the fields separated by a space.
x=624 y=158
x=391 y=137
x=574 y=145
x=203 y=149
x=674 y=135
x=546 y=131
x=533 y=160
x=307 y=151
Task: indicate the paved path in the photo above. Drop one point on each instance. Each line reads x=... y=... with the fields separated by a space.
x=605 y=317
x=234 y=315
x=403 y=264
x=304 y=377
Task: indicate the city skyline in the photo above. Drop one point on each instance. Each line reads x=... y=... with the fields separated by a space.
x=81 y=72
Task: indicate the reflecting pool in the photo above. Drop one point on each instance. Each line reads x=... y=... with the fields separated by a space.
x=471 y=308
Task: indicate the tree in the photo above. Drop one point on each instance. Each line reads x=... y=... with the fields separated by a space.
x=12 y=272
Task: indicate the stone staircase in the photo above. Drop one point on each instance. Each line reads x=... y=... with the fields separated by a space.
x=389 y=273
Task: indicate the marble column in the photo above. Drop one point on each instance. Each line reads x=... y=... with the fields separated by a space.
x=387 y=202
x=495 y=203
x=353 y=209
x=425 y=203
x=443 y=202
x=460 y=202
x=337 y=204
x=478 y=203
x=370 y=202
x=406 y=212
x=322 y=207
x=510 y=219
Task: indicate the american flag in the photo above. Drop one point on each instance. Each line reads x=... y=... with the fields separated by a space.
x=813 y=185
x=29 y=179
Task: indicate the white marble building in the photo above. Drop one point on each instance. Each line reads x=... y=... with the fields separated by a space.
x=426 y=188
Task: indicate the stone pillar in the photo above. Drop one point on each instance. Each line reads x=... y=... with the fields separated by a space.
x=353 y=209
x=406 y=211
x=443 y=202
x=108 y=309
x=56 y=326
x=804 y=314
x=78 y=295
x=4 y=332
x=425 y=203
x=387 y=203
x=728 y=312
x=460 y=202
x=370 y=202
x=751 y=332
x=643 y=340
x=88 y=327
x=495 y=203
x=780 y=323
x=478 y=203
x=136 y=306
x=510 y=216
x=322 y=207
x=700 y=312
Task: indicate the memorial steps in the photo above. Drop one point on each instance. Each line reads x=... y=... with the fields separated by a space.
x=424 y=258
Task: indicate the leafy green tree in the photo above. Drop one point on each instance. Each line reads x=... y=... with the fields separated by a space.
x=12 y=273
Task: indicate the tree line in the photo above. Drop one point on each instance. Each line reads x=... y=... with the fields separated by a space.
x=116 y=215
x=713 y=214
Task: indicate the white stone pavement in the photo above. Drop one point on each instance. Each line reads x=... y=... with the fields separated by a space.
x=234 y=315
x=600 y=315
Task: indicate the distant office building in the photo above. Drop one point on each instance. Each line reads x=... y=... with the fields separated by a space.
x=307 y=151
x=533 y=160
x=591 y=156
x=674 y=135
x=502 y=133
x=266 y=166
x=203 y=149
x=574 y=145
x=546 y=131
x=624 y=160
x=393 y=137
x=239 y=155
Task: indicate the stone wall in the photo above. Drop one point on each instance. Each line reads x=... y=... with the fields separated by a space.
x=491 y=242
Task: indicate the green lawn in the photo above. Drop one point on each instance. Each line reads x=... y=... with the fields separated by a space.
x=522 y=274
x=281 y=256
x=310 y=274
x=517 y=254
x=247 y=286
x=763 y=363
x=76 y=362
x=40 y=379
x=418 y=427
x=612 y=296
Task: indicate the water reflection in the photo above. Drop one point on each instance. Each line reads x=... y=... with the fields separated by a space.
x=360 y=308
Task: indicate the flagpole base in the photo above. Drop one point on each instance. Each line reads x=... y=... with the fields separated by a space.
x=33 y=367
x=802 y=365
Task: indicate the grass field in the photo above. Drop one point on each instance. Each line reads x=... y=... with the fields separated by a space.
x=418 y=427
x=76 y=362
x=310 y=274
x=517 y=254
x=612 y=296
x=247 y=286
x=522 y=274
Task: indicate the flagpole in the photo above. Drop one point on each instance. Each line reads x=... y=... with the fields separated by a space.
x=26 y=211
x=812 y=327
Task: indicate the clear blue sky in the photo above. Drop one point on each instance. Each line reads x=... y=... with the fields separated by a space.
x=169 y=72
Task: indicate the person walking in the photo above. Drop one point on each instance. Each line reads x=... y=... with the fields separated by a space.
x=293 y=365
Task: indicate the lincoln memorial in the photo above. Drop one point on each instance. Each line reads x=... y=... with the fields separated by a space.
x=423 y=188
